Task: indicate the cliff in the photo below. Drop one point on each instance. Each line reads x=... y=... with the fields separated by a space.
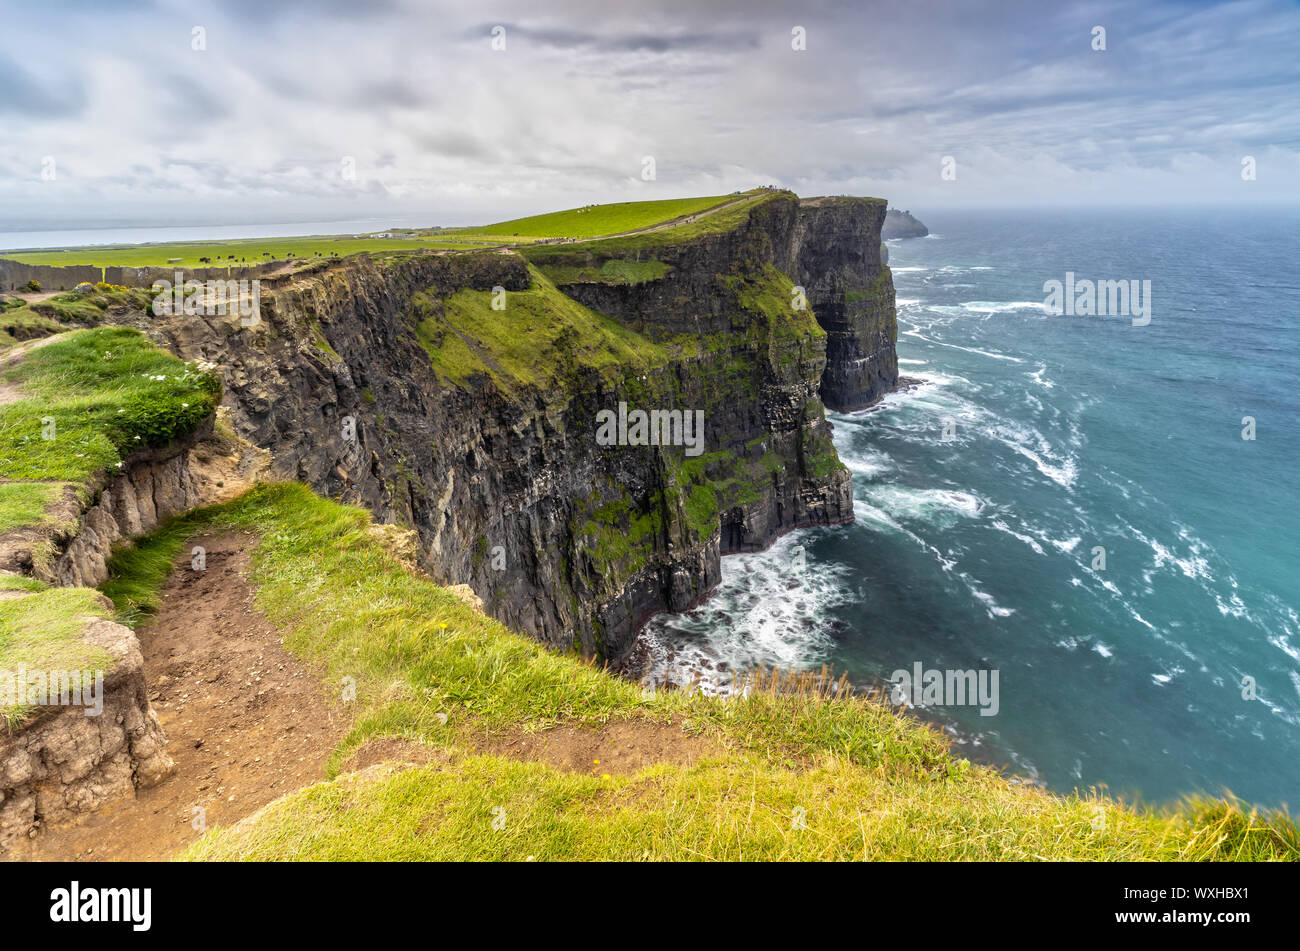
x=901 y=224
x=394 y=381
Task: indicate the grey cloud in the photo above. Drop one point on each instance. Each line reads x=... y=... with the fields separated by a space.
x=21 y=93
x=621 y=41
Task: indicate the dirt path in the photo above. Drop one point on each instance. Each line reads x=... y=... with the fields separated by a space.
x=246 y=722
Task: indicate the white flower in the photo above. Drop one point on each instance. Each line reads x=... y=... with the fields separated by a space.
x=185 y=406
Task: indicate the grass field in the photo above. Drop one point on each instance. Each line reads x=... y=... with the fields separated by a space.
x=248 y=251
x=622 y=246
x=588 y=222
x=594 y=221
x=794 y=774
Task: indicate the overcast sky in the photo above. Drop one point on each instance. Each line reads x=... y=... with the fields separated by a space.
x=145 y=129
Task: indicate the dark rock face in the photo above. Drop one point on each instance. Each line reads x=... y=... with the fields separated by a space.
x=901 y=224
x=576 y=542
x=839 y=261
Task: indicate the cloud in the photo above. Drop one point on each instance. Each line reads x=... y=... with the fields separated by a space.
x=24 y=94
x=443 y=128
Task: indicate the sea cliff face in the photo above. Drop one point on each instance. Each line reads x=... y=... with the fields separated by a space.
x=852 y=292
x=459 y=394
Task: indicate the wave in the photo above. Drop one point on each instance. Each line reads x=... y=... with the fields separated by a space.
x=932 y=506
x=764 y=613
x=988 y=307
x=982 y=353
x=867 y=463
x=1032 y=445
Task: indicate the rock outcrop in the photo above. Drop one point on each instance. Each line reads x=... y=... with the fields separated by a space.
x=901 y=224
x=852 y=293
x=63 y=764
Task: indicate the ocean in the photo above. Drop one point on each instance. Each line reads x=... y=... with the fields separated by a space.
x=1068 y=501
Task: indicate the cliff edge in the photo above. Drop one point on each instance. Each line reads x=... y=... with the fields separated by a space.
x=461 y=394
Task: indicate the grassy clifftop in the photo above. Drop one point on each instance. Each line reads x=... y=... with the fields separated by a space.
x=783 y=773
x=593 y=220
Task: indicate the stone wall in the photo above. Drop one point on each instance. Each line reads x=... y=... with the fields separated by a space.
x=146 y=276
x=14 y=276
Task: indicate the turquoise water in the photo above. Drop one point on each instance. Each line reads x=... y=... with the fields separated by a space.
x=1067 y=434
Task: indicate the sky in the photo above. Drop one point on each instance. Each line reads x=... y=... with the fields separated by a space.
x=161 y=113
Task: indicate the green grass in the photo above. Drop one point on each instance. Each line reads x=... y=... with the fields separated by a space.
x=632 y=247
x=69 y=310
x=24 y=323
x=867 y=783
x=24 y=503
x=596 y=220
x=539 y=339
x=246 y=251
x=101 y=394
x=731 y=809
x=612 y=271
x=42 y=631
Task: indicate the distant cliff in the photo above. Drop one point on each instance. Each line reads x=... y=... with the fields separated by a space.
x=458 y=394
x=901 y=224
